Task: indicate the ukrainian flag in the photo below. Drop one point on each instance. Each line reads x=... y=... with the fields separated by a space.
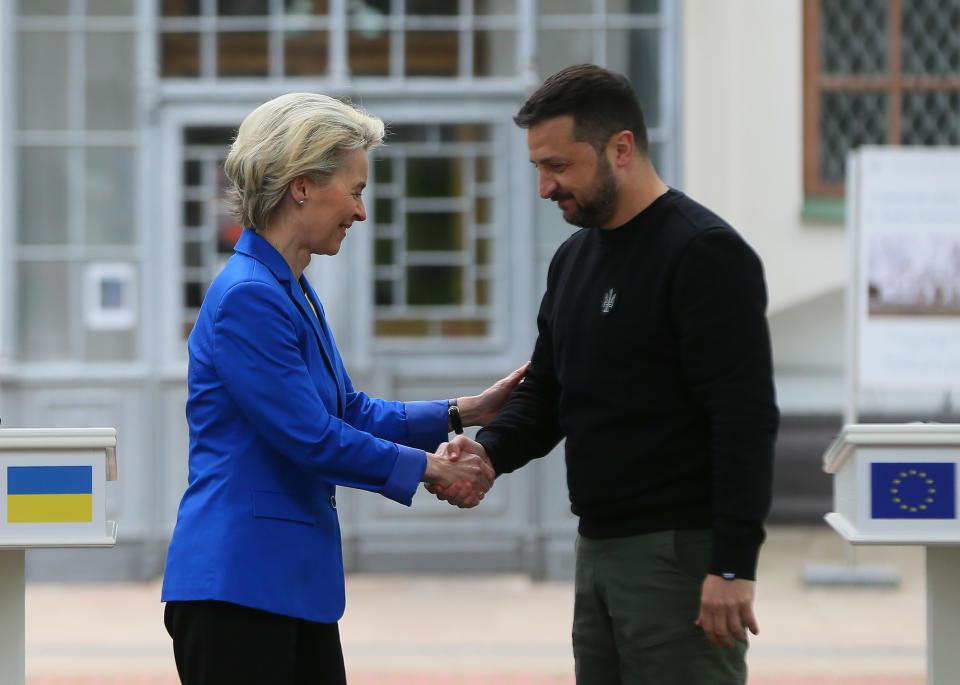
x=49 y=494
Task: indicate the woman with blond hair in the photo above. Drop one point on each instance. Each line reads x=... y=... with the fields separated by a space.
x=254 y=573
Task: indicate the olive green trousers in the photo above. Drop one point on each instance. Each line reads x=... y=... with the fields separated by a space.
x=636 y=600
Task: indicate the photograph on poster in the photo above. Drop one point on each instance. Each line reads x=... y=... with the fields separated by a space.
x=911 y=274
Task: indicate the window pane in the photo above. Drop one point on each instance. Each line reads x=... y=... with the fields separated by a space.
x=931 y=38
x=432 y=7
x=432 y=53
x=483 y=251
x=44 y=310
x=484 y=170
x=405 y=329
x=110 y=80
x=633 y=6
x=434 y=285
x=180 y=55
x=463 y=328
x=559 y=49
x=434 y=231
x=369 y=53
x=383 y=252
x=848 y=120
x=407 y=133
x=383 y=168
x=180 y=8
x=484 y=210
x=43 y=215
x=854 y=36
x=493 y=7
x=210 y=135
x=193 y=295
x=43 y=80
x=110 y=7
x=383 y=210
x=305 y=6
x=305 y=53
x=239 y=8
x=565 y=7
x=930 y=118
x=110 y=196
x=191 y=172
x=464 y=133
x=494 y=53
x=636 y=53
x=483 y=292
x=192 y=254
x=242 y=54
x=193 y=214
x=383 y=293
x=434 y=177
x=43 y=7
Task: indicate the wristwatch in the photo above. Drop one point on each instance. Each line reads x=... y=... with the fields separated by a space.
x=453 y=417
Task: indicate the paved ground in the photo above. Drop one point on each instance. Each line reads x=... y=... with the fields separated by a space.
x=416 y=630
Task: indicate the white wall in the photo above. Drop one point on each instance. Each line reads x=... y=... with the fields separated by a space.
x=743 y=158
x=742 y=132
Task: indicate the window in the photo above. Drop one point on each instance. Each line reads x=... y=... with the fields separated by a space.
x=75 y=150
x=431 y=209
x=625 y=35
x=444 y=185
x=208 y=230
x=362 y=38
x=877 y=72
x=434 y=232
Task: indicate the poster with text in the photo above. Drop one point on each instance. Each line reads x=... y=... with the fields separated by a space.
x=907 y=298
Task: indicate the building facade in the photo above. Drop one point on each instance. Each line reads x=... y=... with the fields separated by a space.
x=115 y=116
x=118 y=116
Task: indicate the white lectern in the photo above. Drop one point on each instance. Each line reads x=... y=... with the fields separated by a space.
x=897 y=484
x=53 y=482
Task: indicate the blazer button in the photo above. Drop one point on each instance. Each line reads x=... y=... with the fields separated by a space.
x=333 y=501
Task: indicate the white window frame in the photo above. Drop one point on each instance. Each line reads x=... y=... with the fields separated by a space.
x=345 y=282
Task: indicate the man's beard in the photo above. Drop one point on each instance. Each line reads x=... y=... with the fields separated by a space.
x=599 y=209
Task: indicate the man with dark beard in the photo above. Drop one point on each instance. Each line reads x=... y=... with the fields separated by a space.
x=653 y=361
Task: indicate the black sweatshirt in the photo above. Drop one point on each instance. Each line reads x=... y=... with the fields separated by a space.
x=653 y=360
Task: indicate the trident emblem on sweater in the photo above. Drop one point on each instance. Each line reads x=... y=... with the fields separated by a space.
x=609 y=297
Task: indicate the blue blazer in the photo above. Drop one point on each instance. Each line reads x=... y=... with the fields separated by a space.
x=275 y=425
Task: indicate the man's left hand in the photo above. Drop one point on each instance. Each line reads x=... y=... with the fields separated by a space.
x=726 y=606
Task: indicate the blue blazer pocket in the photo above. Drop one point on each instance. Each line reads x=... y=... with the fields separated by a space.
x=278 y=505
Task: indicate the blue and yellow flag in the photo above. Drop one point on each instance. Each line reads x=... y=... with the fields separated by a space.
x=913 y=490
x=49 y=494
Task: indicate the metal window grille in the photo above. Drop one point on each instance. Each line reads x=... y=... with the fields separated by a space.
x=877 y=72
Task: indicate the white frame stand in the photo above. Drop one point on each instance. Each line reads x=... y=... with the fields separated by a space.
x=850 y=458
x=93 y=447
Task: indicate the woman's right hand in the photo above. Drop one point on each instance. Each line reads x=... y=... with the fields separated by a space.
x=465 y=467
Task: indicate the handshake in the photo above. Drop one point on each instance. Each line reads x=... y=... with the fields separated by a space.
x=459 y=472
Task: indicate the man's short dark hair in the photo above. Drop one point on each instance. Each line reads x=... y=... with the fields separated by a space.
x=602 y=103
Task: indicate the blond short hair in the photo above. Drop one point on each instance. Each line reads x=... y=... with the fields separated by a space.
x=297 y=134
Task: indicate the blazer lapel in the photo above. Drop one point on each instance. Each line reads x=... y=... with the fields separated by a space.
x=325 y=336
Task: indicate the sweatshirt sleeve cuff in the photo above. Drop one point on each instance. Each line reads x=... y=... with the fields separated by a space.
x=403 y=481
x=734 y=555
x=426 y=424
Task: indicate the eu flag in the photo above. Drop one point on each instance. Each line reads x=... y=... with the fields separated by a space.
x=913 y=490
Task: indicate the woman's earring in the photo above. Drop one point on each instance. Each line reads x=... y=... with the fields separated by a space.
x=300 y=202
